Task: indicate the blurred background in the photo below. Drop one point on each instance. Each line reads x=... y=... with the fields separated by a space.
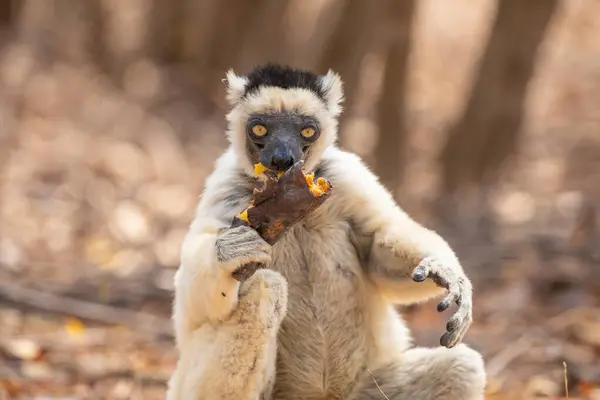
x=482 y=116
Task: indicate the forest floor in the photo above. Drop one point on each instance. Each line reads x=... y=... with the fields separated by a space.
x=71 y=343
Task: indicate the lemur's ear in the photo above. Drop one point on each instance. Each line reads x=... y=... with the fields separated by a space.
x=236 y=86
x=332 y=85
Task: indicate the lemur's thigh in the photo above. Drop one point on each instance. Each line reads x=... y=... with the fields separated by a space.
x=251 y=353
x=427 y=374
x=237 y=356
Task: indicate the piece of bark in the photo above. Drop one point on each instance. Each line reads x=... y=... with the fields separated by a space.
x=279 y=205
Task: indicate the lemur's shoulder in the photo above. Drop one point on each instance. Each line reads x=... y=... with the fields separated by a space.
x=227 y=184
x=339 y=164
x=227 y=170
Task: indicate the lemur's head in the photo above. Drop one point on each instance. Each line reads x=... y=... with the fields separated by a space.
x=282 y=115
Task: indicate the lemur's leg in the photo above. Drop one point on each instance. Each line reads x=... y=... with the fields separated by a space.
x=427 y=374
x=250 y=355
x=235 y=359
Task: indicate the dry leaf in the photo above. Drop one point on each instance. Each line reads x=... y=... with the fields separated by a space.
x=99 y=251
x=74 y=327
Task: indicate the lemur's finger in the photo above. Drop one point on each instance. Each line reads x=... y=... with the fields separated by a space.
x=259 y=256
x=246 y=271
x=420 y=273
x=453 y=323
x=440 y=276
x=451 y=339
x=457 y=327
x=457 y=320
x=459 y=334
x=445 y=303
x=245 y=254
x=446 y=339
x=452 y=297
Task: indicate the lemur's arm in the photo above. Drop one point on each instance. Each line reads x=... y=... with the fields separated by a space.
x=402 y=253
x=205 y=290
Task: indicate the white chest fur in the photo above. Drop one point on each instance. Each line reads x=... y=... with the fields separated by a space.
x=325 y=324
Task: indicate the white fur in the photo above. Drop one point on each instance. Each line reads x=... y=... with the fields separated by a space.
x=332 y=85
x=235 y=86
x=342 y=271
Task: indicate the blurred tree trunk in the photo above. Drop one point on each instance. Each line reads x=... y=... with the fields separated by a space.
x=390 y=150
x=8 y=13
x=134 y=30
x=78 y=29
x=487 y=133
x=198 y=25
x=33 y=26
x=309 y=53
x=233 y=26
x=63 y=29
x=97 y=31
x=165 y=30
x=348 y=46
x=7 y=9
x=266 y=43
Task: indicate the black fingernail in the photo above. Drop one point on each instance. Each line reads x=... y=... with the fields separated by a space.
x=444 y=304
x=419 y=274
x=445 y=339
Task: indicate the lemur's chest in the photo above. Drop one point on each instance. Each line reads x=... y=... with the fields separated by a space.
x=319 y=259
x=324 y=326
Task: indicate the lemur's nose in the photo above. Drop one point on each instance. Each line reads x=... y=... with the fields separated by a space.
x=282 y=160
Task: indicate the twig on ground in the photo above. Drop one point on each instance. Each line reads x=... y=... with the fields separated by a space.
x=86 y=310
x=377 y=384
x=566 y=380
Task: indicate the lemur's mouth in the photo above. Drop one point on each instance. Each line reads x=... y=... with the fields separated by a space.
x=260 y=169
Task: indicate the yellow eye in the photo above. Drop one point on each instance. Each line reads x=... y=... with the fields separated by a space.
x=259 y=130
x=308 y=132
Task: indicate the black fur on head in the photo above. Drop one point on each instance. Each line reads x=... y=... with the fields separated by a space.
x=284 y=77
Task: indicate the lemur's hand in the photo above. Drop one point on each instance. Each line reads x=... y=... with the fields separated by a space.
x=460 y=292
x=241 y=251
